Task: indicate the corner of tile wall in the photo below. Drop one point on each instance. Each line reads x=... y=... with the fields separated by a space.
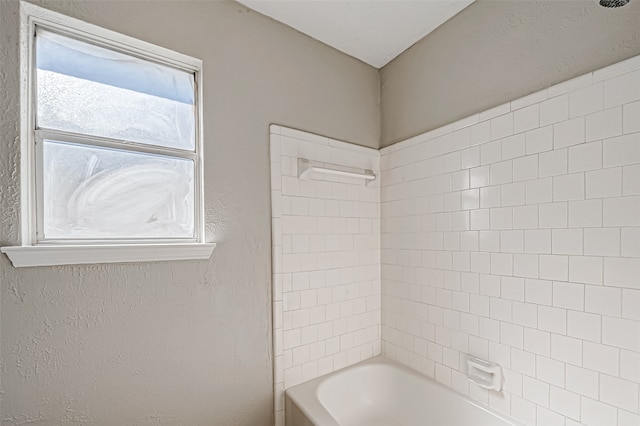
x=326 y=260
x=514 y=235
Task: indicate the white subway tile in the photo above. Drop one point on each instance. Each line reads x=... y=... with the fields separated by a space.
x=554 y=267
x=552 y=163
x=631 y=180
x=616 y=69
x=568 y=187
x=570 y=85
x=631 y=117
x=619 y=393
x=539 y=191
x=566 y=349
x=525 y=265
x=537 y=241
x=501 y=218
x=595 y=413
x=480 y=133
x=552 y=319
x=548 y=417
x=623 y=211
x=490 y=197
x=621 y=333
x=566 y=241
x=585 y=157
x=480 y=262
x=582 y=381
x=470 y=199
x=550 y=371
x=535 y=391
x=470 y=157
x=585 y=214
x=585 y=269
x=568 y=133
x=513 y=194
x=512 y=288
x=512 y=335
x=469 y=241
x=525 y=217
x=530 y=99
x=495 y=111
x=604 y=124
x=586 y=100
x=489 y=241
x=622 y=89
x=553 y=215
x=601 y=358
x=502 y=126
x=584 y=326
x=604 y=183
x=628 y=419
x=536 y=341
x=513 y=146
x=491 y=152
x=512 y=241
x=501 y=264
x=523 y=411
x=460 y=180
x=480 y=219
x=501 y=173
x=630 y=365
x=500 y=310
x=541 y=140
x=554 y=110
x=631 y=242
x=602 y=241
x=452 y=162
x=564 y=402
x=479 y=176
x=525 y=314
x=526 y=118
x=525 y=168
x=568 y=295
x=539 y=292
x=620 y=151
x=603 y=300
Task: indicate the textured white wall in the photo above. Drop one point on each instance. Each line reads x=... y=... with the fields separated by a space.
x=179 y=342
x=326 y=259
x=514 y=235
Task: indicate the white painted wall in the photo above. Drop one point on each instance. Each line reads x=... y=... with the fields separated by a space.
x=183 y=343
x=514 y=235
x=326 y=259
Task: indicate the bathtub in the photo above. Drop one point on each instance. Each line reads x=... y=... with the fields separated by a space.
x=379 y=392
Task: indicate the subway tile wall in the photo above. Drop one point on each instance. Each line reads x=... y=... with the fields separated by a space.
x=514 y=235
x=326 y=259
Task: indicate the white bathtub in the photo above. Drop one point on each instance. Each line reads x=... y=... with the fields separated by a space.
x=379 y=392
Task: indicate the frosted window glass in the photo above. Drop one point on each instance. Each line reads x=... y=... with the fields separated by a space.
x=91 y=90
x=105 y=193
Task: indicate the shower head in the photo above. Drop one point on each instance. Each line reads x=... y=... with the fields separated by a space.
x=613 y=3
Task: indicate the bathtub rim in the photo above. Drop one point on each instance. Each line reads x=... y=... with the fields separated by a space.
x=308 y=392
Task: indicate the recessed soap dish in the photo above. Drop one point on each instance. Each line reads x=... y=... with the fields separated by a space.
x=484 y=373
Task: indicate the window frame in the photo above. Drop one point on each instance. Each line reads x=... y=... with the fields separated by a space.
x=95 y=250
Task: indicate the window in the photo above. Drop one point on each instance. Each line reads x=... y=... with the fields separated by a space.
x=111 y=149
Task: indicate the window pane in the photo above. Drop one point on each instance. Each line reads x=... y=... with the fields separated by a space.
x=94 y=192
x=88 y=89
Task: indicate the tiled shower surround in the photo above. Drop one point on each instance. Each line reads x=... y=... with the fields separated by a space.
x=512 y=235
x=326 y=259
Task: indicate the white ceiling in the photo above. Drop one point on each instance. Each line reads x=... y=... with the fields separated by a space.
x=374 y=31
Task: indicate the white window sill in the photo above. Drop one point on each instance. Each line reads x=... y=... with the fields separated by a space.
x=42 y=255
